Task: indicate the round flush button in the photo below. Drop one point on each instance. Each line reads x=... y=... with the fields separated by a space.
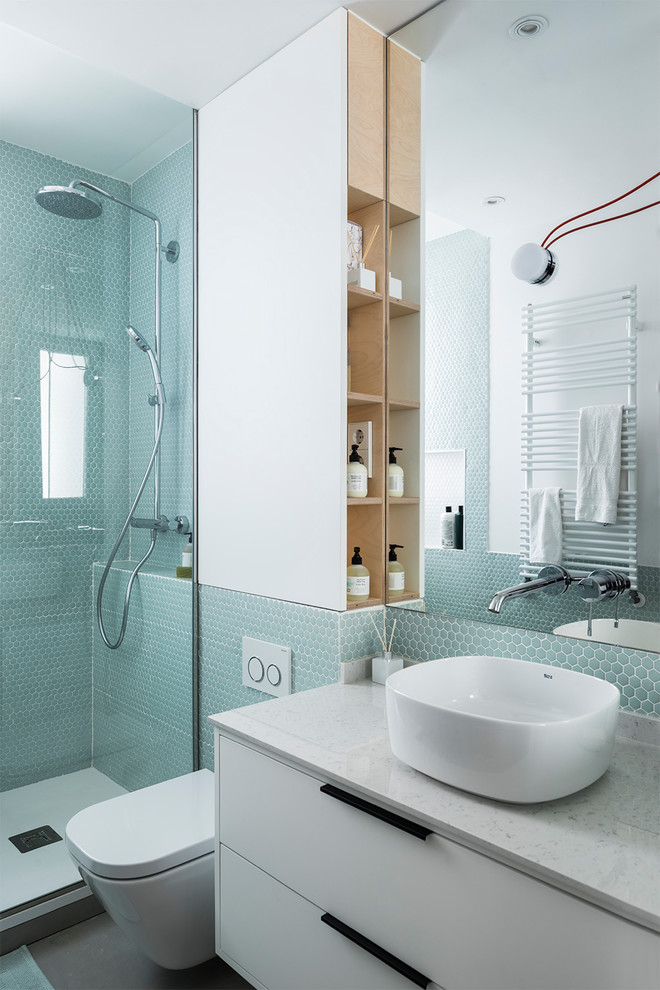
x=274 y=675
x=255 y=669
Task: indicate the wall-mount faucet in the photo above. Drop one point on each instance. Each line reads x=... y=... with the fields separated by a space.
x=551 y=580
x=597 y=586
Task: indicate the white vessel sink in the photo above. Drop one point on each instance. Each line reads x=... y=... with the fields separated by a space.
x=507 y=729
x=632 y=633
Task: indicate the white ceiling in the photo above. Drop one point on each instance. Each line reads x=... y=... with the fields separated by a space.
x=555 y=124
x=189 y=50
x=94 y=82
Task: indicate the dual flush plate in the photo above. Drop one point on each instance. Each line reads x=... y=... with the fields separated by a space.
x=266 y=667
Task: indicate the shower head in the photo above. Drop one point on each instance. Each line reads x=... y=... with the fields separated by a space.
x=67 y=201
x=139 y=339
x=155 y=367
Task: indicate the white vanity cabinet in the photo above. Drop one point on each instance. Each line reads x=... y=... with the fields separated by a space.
x=319 y=888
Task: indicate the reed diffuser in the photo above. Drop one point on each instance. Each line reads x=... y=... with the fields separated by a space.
x=383 y=666
x=362 y=276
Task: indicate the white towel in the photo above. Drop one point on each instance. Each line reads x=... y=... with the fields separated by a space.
x=599 y=463
x=545 y=534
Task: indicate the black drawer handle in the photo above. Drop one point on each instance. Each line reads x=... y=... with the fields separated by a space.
x=372 y=809
x=376 y=950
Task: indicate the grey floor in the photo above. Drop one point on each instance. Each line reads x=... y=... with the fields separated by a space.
x=96 y=955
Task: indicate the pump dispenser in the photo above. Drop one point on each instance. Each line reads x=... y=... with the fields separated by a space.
x=356 y=478
x=395 y=478
x=185 y=570
x=396 y=576
x=357 y=579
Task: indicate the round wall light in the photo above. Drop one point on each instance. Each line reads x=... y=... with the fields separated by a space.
x=533 y=263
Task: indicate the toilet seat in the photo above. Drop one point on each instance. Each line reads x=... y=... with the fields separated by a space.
x=145 y=832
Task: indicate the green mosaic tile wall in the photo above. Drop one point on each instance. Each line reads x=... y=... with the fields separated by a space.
x=75 y=285
x=64 y=285
x=142 y=691
x=319 y=640
x=428 y=637
x=167 y=191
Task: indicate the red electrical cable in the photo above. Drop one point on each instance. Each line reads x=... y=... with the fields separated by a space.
x=601 y=207
x=595 y=223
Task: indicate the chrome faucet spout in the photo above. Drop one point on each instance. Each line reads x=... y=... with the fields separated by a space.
x=552 y=580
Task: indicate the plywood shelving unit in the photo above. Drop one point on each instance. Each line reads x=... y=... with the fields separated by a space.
x=404 y=330
x=386 y=395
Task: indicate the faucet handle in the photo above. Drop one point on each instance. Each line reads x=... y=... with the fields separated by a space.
x=602 y=584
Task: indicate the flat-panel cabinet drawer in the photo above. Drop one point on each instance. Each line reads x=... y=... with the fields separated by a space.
x=456 y=915
x=284 y=942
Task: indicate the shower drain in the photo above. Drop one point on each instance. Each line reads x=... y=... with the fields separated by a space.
x=25 y=842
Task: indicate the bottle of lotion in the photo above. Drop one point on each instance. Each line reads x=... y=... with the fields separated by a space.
x=356 y=478
x=447 y=529
x=396 y=576
x=395 y=477
x=357 y=579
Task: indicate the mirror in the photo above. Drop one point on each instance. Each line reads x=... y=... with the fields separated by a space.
x=524 y=128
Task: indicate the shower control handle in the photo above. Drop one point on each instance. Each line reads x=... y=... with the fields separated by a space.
x=180 y=524
x=161 y=525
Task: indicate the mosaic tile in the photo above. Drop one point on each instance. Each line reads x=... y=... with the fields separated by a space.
x=72 y=287
x=428 y=637
x=226 y=616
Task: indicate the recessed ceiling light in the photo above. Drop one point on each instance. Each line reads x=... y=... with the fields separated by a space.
x=528 y=27
x=493 y=201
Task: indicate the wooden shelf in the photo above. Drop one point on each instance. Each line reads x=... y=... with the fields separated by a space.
x=395 y=404
x=362 y=399
x=404 y=500
x=370 y=602
x=401 y=307
x=407 y=596
x=369 y=500
x=358 y=297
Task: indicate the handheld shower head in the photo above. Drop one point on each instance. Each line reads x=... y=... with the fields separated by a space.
x=155 y=367
x=138 y=338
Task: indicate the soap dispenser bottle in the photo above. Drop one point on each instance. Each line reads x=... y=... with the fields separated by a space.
x=357 y=579
x=185 y=570
x=356 y=478
x=395 y=475
x=396 y=576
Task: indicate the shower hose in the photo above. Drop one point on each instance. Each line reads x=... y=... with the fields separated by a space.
x=113 y=554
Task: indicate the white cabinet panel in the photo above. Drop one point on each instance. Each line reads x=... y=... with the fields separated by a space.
x=272 y=326
x=278 y=937
x=458 y=916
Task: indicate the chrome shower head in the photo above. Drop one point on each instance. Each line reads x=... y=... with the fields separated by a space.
x=67 y=201
x=139 y=339
x=155 y=367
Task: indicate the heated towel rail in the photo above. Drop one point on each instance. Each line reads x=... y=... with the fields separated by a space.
x=564 y=368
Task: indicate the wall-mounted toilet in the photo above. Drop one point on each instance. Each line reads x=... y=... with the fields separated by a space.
x=148 y=857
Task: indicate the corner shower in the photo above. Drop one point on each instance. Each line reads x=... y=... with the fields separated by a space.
x=74 y=202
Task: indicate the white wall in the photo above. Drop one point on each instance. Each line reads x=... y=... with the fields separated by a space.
x=272 y=326
x=610 y=256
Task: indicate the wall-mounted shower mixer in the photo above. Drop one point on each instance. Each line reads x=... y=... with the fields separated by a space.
x=180 y=524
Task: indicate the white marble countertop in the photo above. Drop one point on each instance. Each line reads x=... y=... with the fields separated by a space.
x=602 y=843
